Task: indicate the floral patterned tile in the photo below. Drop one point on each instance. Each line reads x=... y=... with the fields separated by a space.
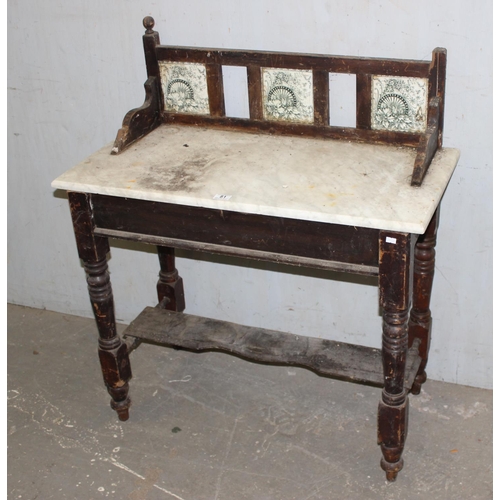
x=399 y=103
x=287 y=95
x=184 y=87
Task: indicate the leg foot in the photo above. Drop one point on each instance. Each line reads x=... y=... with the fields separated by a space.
x=120 y=401
x=391 y=469
x=418 y=382
x=392 y=430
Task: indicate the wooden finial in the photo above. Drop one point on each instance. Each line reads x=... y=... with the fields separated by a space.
x=149 y=23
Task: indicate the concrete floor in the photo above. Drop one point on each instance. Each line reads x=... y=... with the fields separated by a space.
x=212 y=426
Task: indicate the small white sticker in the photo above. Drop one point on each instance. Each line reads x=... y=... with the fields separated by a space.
x=222 y=197
x=388 y=239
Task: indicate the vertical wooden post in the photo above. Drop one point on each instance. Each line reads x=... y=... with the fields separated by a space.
x=150 y=40
x=321 y=83
x=215 y=87
x=395 y=264
x=169 y=287
x=437 y=82
x=113 y=352
x=363 y=101
x=140 y=121
x=254 y=78
x=420 y=326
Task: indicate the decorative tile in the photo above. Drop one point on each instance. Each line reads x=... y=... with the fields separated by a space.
x=184 y=87
x=399 y=103
x=287 y=95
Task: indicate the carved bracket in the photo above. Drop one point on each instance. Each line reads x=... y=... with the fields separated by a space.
x=140 y=121
x=428 y=144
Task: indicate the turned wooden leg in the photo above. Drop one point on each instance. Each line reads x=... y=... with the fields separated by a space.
x=420 y=325
x=169 y=287
x=393 y=407
x=394 y=286
x=113 y=352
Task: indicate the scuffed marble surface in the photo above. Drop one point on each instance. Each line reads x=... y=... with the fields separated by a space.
x=321 y=180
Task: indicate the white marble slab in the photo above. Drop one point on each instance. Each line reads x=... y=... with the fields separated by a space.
x=320 y=180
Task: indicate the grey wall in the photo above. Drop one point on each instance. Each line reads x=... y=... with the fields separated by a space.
x=74 y=70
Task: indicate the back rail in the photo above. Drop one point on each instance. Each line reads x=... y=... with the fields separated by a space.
x=289 y=93
x=330 y=63
x=320 y=66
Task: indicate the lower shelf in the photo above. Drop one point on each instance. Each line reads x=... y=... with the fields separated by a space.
x=325 y=357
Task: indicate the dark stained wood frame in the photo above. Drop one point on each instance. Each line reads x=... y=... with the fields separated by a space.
x=140 y=121
x=292 y=241
x=403 y=262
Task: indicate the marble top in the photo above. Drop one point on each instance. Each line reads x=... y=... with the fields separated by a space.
x=323 y=180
